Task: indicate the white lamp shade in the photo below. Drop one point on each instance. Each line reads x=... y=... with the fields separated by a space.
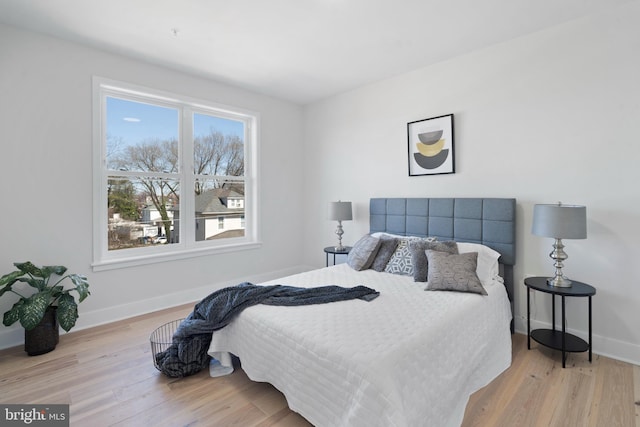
x=560 y=221
x=340 y=211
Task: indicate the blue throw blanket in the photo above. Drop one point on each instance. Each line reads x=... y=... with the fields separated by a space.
x=187 y=354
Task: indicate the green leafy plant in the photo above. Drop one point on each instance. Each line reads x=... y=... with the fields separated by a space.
x=29 y=310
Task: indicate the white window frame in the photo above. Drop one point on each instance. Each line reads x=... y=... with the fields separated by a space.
x=188 y=247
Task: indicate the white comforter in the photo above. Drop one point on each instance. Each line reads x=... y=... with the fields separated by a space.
x=408 y=358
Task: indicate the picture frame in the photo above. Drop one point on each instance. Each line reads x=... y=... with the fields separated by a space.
x=431 y=146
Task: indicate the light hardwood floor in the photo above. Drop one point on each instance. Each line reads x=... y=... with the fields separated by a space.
x=107 y=376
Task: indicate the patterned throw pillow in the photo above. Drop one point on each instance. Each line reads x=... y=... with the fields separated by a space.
x=400 y=262
x=449 y=272
x=363 y=252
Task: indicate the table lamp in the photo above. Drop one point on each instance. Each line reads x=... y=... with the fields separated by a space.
x=340 y=211
x=560 y=222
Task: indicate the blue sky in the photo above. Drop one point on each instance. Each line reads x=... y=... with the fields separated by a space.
x=135 y=121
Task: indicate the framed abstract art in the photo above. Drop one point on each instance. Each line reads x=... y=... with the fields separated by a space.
x=431 y=146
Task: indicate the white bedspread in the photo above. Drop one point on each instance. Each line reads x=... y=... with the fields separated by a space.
x=408 y=358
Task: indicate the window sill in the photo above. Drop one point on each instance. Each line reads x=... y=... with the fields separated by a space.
x=113 y=264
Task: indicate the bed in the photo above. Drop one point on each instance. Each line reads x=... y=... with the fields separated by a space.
x=408 y=358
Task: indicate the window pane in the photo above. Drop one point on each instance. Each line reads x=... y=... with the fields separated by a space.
x=219 y=210
x=141 y=212
x=141 y=137
x=218 y=146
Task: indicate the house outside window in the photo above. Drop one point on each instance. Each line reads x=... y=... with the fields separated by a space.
x=167 y=171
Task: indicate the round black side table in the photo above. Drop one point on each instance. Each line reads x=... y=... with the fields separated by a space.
x=332 y=250
x=552 y=338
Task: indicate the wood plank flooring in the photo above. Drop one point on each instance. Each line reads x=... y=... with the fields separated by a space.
x=107 y=376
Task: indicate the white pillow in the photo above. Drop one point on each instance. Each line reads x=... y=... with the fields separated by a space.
x=397 y=236
x=379 y=234
x=488 y=267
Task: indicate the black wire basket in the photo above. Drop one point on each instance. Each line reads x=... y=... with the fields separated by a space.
x=161 y=339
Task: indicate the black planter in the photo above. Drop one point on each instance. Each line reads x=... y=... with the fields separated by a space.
x=44 y=337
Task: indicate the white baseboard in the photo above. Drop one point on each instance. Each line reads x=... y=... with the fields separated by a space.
x=14 y=335
x=604 y=346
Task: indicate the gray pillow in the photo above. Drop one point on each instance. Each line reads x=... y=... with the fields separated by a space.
x=363 y=252
x=419 y=257
x=388 y=246
x=450 y=272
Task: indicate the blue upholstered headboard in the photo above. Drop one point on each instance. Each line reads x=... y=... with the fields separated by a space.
x=478 y=220
x=490 y=221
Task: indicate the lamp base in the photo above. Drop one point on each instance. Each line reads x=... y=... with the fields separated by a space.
x=339 y=232
x=558 y=255
x=559 y=282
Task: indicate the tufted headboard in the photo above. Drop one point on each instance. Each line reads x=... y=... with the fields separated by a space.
x=490 y=221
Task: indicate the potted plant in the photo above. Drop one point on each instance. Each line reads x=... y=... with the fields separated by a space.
x=50 y=305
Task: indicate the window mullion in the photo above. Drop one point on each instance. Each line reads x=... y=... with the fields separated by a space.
x=188 y=215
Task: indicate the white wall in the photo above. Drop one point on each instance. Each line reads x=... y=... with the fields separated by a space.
x=553 y=116
x=46 y=171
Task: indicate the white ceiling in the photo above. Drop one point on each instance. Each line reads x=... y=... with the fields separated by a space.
x=298 y=50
